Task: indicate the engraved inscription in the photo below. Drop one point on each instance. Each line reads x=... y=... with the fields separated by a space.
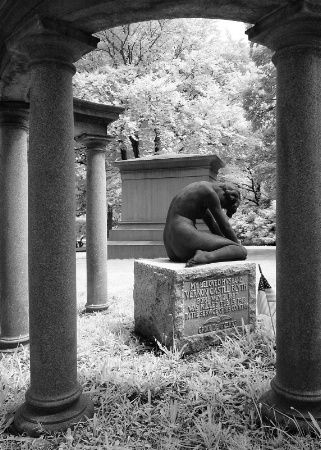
x=215 y=304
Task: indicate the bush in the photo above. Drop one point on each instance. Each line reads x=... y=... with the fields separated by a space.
x=80 y=226
x=254 y=226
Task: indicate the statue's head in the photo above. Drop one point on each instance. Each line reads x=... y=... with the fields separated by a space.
x=232 y=198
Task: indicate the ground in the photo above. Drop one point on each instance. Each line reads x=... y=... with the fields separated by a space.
x=149 y=397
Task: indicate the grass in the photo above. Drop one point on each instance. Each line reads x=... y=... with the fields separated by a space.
x=146 y=398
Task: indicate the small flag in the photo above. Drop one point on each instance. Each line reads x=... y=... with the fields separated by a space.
x=266 y=298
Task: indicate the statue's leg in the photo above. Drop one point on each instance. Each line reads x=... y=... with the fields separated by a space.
x=199 y=247
x=228 y=253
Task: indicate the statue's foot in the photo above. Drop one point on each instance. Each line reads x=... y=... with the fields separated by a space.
x=198 y=258
x=190 y=263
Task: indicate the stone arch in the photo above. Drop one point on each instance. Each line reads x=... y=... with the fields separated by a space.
x=96 y=15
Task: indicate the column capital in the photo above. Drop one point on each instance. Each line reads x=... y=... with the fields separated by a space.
x=96 y=142
x=93 y=118
x=43 y=39
x=14 y=114
x=293 y=28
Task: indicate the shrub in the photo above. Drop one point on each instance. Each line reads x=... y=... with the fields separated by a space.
x=254 y=226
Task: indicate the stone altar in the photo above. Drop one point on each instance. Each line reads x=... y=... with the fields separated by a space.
x=148 y=187
x=192 y=307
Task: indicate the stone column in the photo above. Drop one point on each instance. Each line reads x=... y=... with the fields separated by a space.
x=90 y=128
x=96 y=222
x=294 y=33
x=14 y=323
x=54 y=399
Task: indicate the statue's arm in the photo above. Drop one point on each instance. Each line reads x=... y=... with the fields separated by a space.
x=209 y=220
x=221 y=219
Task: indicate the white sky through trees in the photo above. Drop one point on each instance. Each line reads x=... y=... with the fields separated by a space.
x=236 y=29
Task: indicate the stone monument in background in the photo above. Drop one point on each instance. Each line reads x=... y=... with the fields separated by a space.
x=148 y=187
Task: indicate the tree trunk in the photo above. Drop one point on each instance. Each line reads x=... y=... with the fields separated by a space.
x=157 y=141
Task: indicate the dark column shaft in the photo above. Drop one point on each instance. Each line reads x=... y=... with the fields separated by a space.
x=14 y=323
x=299 y=219
x=294 y=33
x=52 y=235
x=96 y=229
x=54 y=399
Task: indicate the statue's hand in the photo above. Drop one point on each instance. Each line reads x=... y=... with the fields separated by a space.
x=231 y=211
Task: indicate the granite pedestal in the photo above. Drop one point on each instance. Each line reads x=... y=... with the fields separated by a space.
x=192 y=307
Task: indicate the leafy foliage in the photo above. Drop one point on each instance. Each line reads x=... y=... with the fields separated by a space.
x=255 y=226
x=260 y=95
x=185 y=97
x=259 y=99
x=132 y=44
x=80 y=163
x=180 y=82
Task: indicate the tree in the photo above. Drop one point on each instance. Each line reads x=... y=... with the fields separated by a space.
x=132 y=44
x=183 y=98
x=259 y=101
x=259 y=98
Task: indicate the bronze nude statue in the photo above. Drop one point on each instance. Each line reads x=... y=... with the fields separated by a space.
x=203 y=200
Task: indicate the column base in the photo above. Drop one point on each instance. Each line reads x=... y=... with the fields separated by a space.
x=295 y=416
x=96 y=308
x=35 y=421
x=9 y=345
